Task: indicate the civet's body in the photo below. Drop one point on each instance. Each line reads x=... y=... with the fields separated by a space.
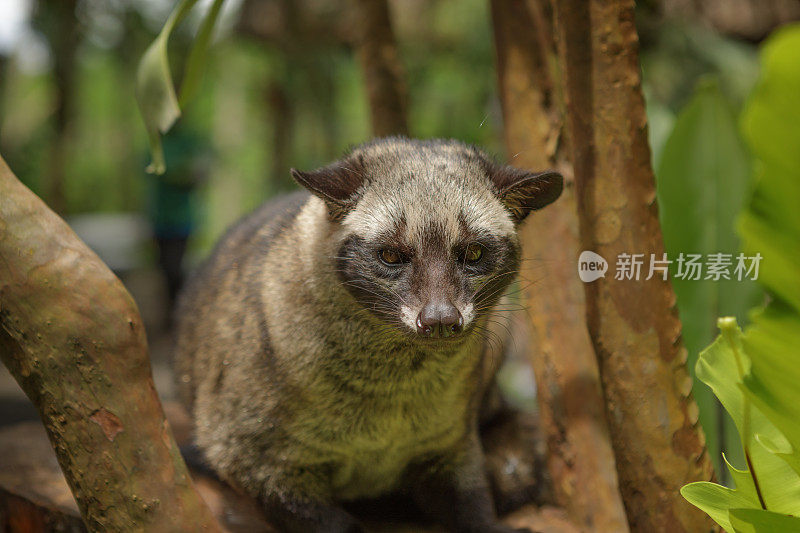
x=331 y=348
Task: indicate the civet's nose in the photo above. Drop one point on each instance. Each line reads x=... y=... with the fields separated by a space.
x=439 y=319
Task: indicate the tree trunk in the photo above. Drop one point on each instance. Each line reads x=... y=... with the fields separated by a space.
x=383 y=70
x=72 y=337
x=58 y=21
x=633 y=324
x=580 y=457
x=283 y=121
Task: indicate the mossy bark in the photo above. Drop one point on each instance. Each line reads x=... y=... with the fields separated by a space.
x=633 y=324
x=72 y=337
x=580 y=456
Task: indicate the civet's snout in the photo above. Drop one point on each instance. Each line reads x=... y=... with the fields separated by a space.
x=439 y=319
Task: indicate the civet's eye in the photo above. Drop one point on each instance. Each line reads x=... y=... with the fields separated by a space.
x=473 y=253
x=390 y=257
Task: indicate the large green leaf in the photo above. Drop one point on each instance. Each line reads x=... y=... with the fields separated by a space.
x=757 y=376
x=761 y=521
x=155 y=90
x=723 y=367
x=716 y=501
x=773 y=384
x=702 y=180
x=771 y=125
x=771 y=227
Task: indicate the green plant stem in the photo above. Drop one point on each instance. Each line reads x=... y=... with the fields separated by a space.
x=728 y=327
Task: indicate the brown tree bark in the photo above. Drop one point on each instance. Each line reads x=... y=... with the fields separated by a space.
x=633 y=324
x=383 y=71
x=72 y=337
x=580 y=457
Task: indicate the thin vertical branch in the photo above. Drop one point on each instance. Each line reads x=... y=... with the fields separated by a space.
x=61 y=28
x=283 y=125
x=580 y=457
x=383 y=71
x=633 y=324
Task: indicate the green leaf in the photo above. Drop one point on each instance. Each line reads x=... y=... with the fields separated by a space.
x=719 y=502
x=716 y=501
x=743 y=482
x=197 y=57
x=757 y=376
x=773 y=384
x=771 y=227
x=155 y=90
x=702 y=181
x=761 y=521
x=722 y=366
x=771 y=125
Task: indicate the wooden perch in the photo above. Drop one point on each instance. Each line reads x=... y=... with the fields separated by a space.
x=72 y=337
x=580 y=456
x=380 y=63
x=633 y=324
x=34 y=496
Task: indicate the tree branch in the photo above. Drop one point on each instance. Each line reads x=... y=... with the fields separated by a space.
x=580 y=457
x=633 y=324
x=72 y=337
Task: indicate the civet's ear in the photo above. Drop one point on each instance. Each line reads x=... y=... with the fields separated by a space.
x=339 y=184
x=522 y=191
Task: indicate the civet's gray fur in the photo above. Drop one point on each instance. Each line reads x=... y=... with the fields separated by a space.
x=298 y=349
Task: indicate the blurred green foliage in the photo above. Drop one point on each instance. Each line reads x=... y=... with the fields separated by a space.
x=771 y=226
x=756 y=375
x=448 y=60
